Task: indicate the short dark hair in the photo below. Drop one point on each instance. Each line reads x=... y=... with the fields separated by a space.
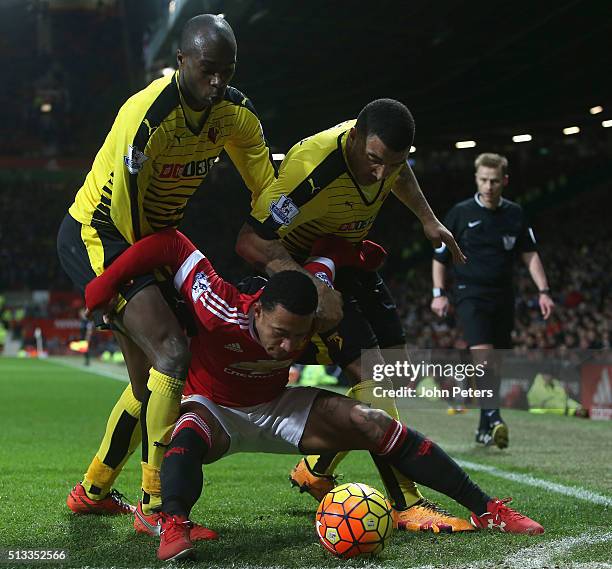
x=390 y=120
x=293 y=290
x=202 y=28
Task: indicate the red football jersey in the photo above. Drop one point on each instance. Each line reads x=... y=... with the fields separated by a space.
x=228 y=364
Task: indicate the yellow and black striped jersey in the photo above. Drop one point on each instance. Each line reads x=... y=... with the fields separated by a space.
x=152 y=161
x=315 y=194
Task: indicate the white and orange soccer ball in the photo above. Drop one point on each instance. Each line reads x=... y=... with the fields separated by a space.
x=354 y=519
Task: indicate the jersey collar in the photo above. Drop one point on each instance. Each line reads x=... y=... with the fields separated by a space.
x=188 y=111
x=250 y=301
x=502 y=202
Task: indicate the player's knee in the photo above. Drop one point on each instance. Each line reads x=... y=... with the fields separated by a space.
x=172 y=355
x=220 y=445
x=370 y=424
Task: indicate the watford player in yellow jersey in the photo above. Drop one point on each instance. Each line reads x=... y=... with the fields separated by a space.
x=335 y=182
x=164 y=141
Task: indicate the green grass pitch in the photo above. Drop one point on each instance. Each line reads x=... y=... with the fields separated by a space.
x=53 y=415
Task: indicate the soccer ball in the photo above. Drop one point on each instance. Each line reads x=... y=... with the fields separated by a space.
x=354 y=519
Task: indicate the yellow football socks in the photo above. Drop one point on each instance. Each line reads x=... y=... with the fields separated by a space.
x=159 y=415
x=121 y=438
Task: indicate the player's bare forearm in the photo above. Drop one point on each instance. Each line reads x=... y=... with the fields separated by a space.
x=266 y=255
x=408 y=191
x=270 y=256
x=536 y=269
x=438 y=274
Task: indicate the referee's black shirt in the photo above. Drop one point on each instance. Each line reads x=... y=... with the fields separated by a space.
x=490 y=239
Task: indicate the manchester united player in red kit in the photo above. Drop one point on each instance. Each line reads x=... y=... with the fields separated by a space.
x=236 y=399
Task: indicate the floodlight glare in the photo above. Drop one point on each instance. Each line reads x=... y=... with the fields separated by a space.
x=465 y=144
x=571 y=130
x=521 y=138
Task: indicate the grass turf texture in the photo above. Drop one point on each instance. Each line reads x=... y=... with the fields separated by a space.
x=52 y=417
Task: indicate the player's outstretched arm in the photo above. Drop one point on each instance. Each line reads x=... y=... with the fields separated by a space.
x=408 y=191
x=165 y=248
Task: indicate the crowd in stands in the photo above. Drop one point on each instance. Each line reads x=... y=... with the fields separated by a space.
x=573 y=237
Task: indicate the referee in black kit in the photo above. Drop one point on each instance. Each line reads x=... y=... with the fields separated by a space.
x=491 y=231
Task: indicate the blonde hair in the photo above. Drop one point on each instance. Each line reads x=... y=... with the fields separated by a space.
x=491 y=160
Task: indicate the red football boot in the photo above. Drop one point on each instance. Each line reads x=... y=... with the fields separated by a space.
x=174 y=542
x=151 y=525
x=111 y=505
x=502 y=518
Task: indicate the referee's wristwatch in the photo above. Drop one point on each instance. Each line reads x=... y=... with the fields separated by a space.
x=544 y=291
x=436 y=292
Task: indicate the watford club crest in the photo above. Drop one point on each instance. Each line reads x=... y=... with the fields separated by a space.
x=213 y=134
x=334 y=341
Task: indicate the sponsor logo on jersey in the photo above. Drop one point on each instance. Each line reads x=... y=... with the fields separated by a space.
x=283 y=210
x=193 y=169
x=201 y=284
x=474 y=223
x=259 y=369
x=357 y=225
x=509 y=241
x=234 y=347
x=134 y=160
x=334 y=341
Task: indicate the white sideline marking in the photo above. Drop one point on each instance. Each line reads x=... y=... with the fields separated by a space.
x=572 y=491
x=93 y=368
x=544 y=553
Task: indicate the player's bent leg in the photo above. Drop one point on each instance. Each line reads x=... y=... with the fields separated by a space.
x=121 y=438
x=197 y=438
x=137 y=364
x=424 y=461
x=315 y=474
x=338 y=423
x=152 y=325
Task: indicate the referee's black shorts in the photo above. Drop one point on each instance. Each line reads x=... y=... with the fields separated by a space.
x=85 y=252
x=370 y=320
x=486 y=317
